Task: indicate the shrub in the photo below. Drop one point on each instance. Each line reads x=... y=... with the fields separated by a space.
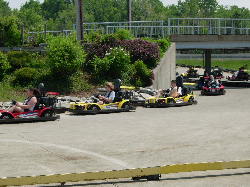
x=64 y=55
x=143 y=76
x=139 y=49
x=124 y=34
x=4 y=65
x=112 y=66
x=143 y=50
x=19 y=59
x=25 y=75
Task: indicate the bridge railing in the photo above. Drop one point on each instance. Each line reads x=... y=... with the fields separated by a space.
x=208 y=26
x=174 y=26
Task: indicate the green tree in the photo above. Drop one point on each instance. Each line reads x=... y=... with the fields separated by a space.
x=30 y=18
x=12 y=35
x=51 y=8
x=208 y=8
x=5 y=10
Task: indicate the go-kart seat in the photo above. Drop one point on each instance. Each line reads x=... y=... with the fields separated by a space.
x=117 y=89
x=179 y=83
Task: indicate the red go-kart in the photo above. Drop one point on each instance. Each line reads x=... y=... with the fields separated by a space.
x=44 y=110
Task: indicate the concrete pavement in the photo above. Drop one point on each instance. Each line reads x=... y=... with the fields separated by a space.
x=216 y=129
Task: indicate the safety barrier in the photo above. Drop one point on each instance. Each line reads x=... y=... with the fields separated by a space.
x=115 y=174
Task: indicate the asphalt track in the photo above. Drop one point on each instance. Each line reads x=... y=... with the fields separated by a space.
x=216 y=129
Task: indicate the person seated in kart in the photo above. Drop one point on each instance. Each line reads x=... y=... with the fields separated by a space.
x=109 y=95
x=172 y=92
x=28 y=104
x=212 y=83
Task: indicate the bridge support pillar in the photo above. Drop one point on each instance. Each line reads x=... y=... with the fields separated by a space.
x=208 y=60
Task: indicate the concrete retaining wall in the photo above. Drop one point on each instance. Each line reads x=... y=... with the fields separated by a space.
x=165 y=70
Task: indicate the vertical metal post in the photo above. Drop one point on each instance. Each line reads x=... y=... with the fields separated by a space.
x=79 y=22
x=22 y=35
x=45 y=31
x=208 y=60
x=168 y=26
x=3 y=37
x=129 y=13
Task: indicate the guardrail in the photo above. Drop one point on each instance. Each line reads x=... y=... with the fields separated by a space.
x=116 y=174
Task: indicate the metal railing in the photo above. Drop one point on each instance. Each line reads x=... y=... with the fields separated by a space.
x=174 y=26
x=208 y=26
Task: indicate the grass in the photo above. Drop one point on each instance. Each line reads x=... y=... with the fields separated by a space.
x=225 y=64
x=8 y=93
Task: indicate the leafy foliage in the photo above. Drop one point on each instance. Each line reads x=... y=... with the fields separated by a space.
x=64 y=55
x=112 y=66
x=4 y=65
x=12 y=36
x=25 y=75
x=19 y=59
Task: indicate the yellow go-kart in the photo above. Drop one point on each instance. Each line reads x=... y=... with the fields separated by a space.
x=121 y=102
x=187 y=97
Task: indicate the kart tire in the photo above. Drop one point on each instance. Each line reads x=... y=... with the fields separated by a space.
x=94 y=107
x=46 y=113
x=6 y=116
x=191 y=99
x=125 y=105
x=170 y=101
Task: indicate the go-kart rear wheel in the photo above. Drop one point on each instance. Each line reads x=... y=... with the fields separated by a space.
x=6 y=116
x=125 y=105
x=94 y=107
x=46 y=113
x=170 y=101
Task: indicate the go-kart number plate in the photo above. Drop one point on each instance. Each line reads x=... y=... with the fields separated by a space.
x=213 y=90
x=151 y=101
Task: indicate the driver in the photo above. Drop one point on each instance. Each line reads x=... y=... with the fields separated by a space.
x=172 y=92
x=28 y=104
x=213 y=83
x=109 y=95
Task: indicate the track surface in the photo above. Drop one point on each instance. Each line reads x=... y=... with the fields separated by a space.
x=216 y=129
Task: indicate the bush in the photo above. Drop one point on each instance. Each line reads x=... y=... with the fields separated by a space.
x=25 y=75
x=64 y=55
x=4 y=65
x=19 y=59
x=143 y=76
x=112 y=66
x=146 y=51
x=124 y=34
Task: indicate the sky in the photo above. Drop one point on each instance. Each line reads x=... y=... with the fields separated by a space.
x=239 y=3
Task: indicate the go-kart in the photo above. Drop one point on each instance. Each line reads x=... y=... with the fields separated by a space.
x=191 y=73
x=218 y=72
x=212 y=90
x=121 y=102
x=240 y=75
x=187 y=98
x=43 y=110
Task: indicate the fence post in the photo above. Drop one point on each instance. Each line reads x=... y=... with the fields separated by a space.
x=22 y=33
x=45 y=31
x=3 y=38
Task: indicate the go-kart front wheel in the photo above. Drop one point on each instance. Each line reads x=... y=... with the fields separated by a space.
x=46 y=113
x=191 y=99
x=94 y=107
x=6 y=116
x=125 y=105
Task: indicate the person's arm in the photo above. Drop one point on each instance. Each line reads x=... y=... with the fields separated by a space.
x=31 y=103
x=173 y=93
x=106 y=99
